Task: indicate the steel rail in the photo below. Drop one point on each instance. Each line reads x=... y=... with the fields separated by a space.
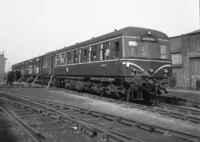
x=178 y=112
x=76 y=123
x=189 y=100
x=32 y=133
x=106 y=116
x=148 y=127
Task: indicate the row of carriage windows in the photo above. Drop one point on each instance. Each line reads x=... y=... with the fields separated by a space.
x=103 y=51
x=89 y=54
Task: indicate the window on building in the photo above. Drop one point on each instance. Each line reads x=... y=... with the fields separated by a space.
x=176 y=59
x=93 y=56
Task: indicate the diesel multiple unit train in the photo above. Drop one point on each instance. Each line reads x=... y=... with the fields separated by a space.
x=128 y=64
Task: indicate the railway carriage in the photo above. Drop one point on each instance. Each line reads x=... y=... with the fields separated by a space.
x=131 y=63
x=117 y=63
x=48 y=63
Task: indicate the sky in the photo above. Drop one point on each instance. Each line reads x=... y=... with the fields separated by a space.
x=29 y=28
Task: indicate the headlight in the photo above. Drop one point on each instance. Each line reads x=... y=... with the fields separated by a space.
x=150 y=70
x=165 y=70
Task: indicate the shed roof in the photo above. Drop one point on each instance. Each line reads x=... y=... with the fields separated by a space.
x=190 y=33
x=193 y=32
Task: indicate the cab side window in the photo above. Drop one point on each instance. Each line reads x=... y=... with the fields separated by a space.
x=117 y=50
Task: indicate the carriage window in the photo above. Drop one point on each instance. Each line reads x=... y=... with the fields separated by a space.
x=75 y=56
x=105 y=50
x=84 y=53
x=68 y=61
x=93 y=56
x=57 y=58
x=48 y=61
x=117 y=49
x=198 y=43
x=45 y=62
x=62 y=58
x=79 y=56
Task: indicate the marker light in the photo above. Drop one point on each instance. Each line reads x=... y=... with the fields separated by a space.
x=149 y=32
x=165 y=70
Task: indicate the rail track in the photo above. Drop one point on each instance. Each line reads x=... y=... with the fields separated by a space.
x=176 y=111
x=190 y=101
x=30 y=132
x=30 y=119
x=179 y=112
x=105 y=126
x=175 y=99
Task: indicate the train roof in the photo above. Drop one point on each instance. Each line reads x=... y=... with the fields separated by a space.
x=128 y=31
x=49 y=53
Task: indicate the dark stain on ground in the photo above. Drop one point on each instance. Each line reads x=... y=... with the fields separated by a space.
x=5 y=134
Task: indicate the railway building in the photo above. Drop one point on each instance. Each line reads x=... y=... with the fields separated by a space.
x=2 y=65
x=185 y=51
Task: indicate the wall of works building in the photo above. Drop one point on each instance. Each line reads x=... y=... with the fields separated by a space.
x=185 y=52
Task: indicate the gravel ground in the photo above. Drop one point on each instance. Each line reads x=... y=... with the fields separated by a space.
x=111 y=108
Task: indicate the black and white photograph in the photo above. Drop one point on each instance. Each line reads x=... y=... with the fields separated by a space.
x=99 y=70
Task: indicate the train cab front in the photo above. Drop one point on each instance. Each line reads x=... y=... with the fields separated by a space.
x=147 y=57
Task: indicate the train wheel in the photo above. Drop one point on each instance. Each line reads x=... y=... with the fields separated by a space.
x=129 y=93
x=135 y=94
x=102 y=93
x=121 y=97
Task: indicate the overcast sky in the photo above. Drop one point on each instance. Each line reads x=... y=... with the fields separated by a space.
x=29 y=28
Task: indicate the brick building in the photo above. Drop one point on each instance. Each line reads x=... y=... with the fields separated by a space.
x=2 y=65
x=185 y=51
